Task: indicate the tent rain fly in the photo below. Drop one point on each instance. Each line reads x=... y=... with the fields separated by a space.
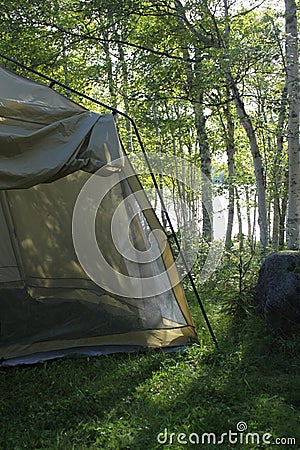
x=49 y=306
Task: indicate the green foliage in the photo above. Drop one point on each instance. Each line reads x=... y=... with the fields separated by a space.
x=235 y=278
x=162 y=70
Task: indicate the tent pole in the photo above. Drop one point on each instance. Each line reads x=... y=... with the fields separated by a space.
x=121 y=113
x=64 y=86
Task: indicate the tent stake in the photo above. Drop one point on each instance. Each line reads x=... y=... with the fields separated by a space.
x=52 y=82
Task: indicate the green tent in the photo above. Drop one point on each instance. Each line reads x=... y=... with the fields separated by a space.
x=50 y=305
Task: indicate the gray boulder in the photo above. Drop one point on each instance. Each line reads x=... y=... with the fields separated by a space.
x=278 y=290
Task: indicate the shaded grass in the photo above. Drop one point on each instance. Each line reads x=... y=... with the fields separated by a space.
x=123 y=401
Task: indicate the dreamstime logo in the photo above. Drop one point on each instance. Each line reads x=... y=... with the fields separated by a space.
x=240 y=436
x=122 y=214
x=241 y=426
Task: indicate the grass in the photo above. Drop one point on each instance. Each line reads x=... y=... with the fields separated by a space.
x=124 y=401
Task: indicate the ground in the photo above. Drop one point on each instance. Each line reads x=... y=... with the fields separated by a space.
x=136 y=401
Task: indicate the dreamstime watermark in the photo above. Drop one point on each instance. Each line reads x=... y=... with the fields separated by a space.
x=146 y=275
x=239 y=436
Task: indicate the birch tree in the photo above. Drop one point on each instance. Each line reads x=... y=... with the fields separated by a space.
x=243 y=115
x=292 y=75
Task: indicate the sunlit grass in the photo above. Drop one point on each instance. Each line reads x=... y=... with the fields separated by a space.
x=124 y=401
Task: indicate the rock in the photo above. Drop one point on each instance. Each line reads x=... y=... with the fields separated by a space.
x=278 y=290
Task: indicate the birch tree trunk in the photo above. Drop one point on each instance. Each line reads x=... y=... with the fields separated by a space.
x=194 y=79
x=248 y=212
x=109 y=70
x=292 y=74
x=124 y=68
x=257 y=161
x=160 y=176
x=279 y=176
x=230 y=150
x=244 y=119
x=240 y=219
x=282 y=217
x=275 y=228
x=205 y=158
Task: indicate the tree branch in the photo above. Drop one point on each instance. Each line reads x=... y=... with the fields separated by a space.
x=244 y=13
x=120 y=42
x=201 y=37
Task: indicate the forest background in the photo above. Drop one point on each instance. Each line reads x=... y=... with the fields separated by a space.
x=211 y=82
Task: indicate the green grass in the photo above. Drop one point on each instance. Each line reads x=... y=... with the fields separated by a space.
x=123 y=401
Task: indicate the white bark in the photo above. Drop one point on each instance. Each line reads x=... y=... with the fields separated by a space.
x=292 y=73
x=257 y=161
x=230 y=150
x=205 y=158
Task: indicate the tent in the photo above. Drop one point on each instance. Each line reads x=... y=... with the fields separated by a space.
x=51 y=304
